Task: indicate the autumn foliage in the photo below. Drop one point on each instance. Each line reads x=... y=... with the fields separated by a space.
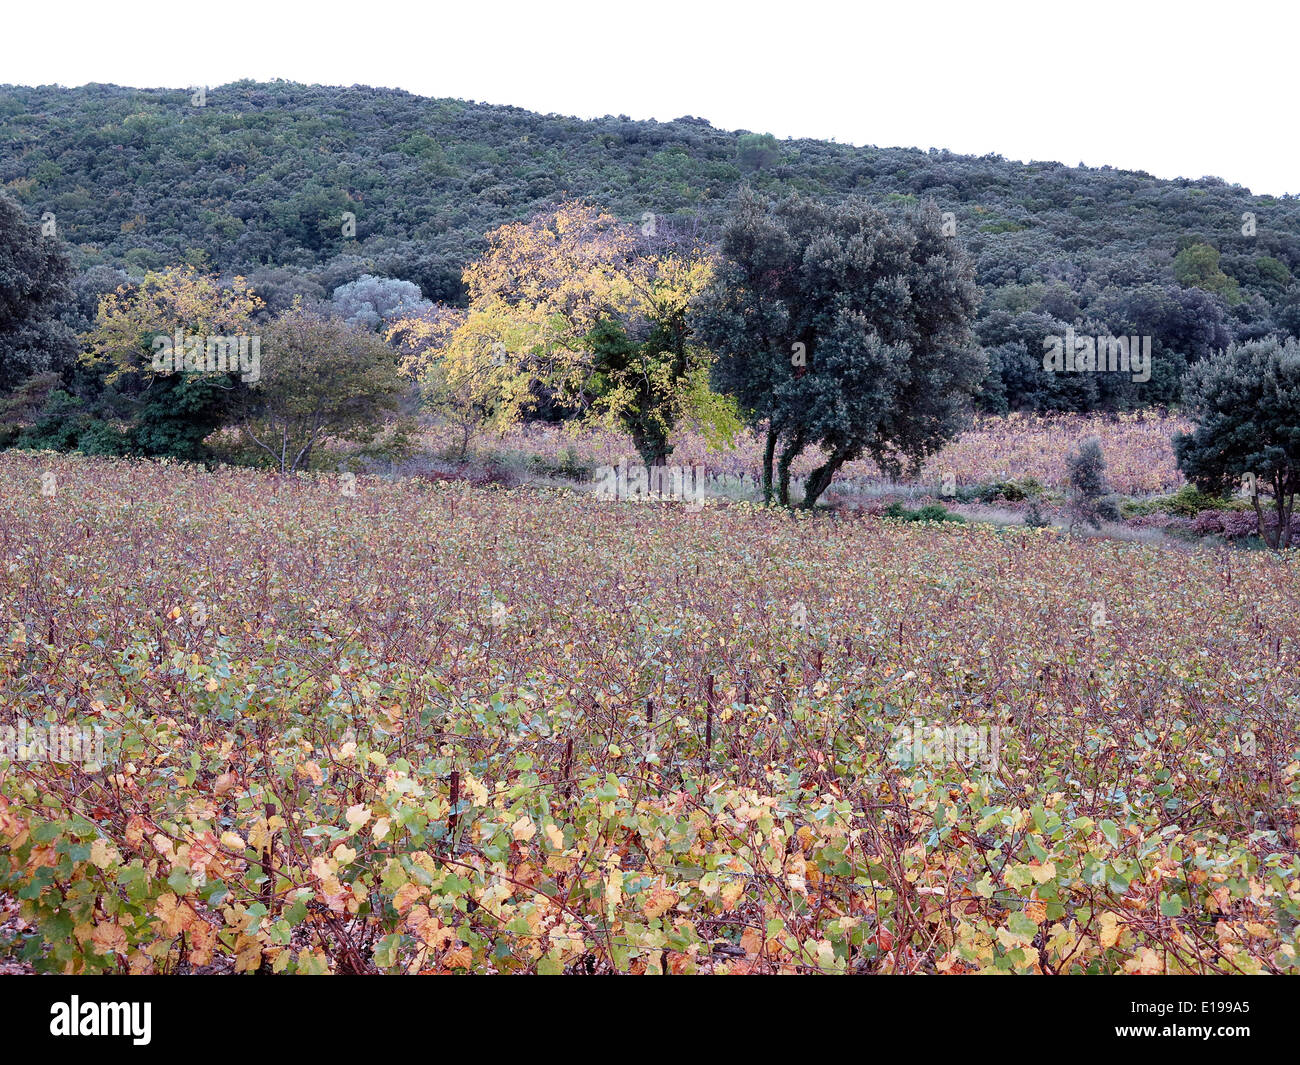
x=420 y=727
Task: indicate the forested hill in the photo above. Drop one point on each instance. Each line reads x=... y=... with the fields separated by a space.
x=257 y=181
x=262 y=174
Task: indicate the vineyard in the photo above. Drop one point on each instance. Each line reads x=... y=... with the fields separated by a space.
x=1139 y=454
x=359 y=725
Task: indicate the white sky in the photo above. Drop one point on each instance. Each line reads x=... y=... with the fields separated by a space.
x=1190 y=90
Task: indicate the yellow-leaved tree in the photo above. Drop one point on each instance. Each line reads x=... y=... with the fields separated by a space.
x=573 y=310
x=175 y=348
x=460 y=362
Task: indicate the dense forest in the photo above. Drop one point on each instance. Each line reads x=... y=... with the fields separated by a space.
x=303 y=189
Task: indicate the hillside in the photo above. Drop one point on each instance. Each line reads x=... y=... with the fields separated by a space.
x=262 y=173
x=305 y=188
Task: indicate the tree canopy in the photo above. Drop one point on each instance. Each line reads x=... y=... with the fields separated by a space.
x=36 y=276
x=304 y=189
x=841 y=328
x=1245 y=402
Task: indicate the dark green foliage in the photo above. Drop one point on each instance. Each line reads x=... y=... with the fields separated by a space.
x=1187 y=502
x=58 y=427
x=1087 y=469
x=929 y=512
x=35 y=288
x=1090 y=501
x=1246 y=406
x=258 y=182
x=1012 y=491
x=178 y=412
x=839 y=327
x=102 y=438
x=650 y=372
x=65 y=424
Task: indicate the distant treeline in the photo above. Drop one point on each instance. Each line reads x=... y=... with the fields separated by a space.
x=304 y=188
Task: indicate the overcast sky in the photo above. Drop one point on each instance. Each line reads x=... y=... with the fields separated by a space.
x=1190 y=90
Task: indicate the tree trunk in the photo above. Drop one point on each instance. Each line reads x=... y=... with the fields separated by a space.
x=1285 y=504
x=769 y=454
x=820 y=479
x=788 y=456
x=1259 y=520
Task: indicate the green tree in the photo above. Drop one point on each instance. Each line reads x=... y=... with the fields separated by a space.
x=757 y=150
x=643 y=383
x=1090 y=495
x=619 y=362
x=1245 y=403
x=171 y=410
x=1198 y=265
x=320 y=377
x=841 y=328
x=35 y=284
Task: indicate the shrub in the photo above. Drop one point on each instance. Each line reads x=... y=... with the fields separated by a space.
x=1238 y=526
x=1189 y=501
x=1087 y=469
x=1160 y=521
x=1208 y=522
x=1090 y=501
x=1015 y=491
x=929 y=512
x=101 y=438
